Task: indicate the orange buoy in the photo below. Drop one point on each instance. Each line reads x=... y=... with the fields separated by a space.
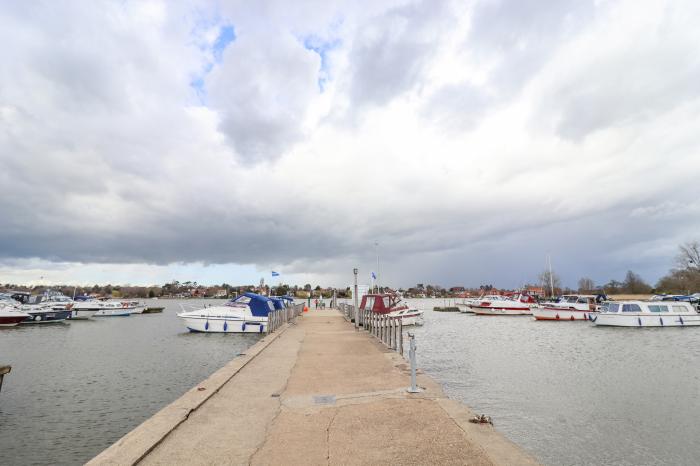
x=306 y=309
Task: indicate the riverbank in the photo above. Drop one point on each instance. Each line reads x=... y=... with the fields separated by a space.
x=317 y=392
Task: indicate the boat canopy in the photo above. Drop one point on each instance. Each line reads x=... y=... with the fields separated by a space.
x=260 y=306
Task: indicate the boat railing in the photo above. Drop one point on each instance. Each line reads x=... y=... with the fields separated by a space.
x=279 y=317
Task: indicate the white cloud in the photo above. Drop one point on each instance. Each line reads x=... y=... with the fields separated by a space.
x=469 y=141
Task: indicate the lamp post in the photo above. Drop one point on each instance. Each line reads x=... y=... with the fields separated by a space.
x=354 y=295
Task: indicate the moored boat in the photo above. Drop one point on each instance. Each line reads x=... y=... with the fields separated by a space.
x=519 y=305
x=568 y=308
x=244 y=314
x=153 y=309
x=391 y=304
x=10 y=315
x=648 y=314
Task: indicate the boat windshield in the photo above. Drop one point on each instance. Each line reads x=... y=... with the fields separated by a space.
x=631 y=308
x=613 y=307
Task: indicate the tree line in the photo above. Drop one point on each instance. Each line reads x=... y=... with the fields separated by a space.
x=682 y=278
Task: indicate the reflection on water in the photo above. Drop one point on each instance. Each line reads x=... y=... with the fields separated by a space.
x=569 y=392
x=76 y=388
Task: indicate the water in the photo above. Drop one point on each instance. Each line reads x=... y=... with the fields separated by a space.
x=569 y=392
x=76 y=388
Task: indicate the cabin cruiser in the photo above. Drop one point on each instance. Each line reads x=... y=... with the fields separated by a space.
x=465 y=306
x=86 y=307
x=10 y=315
x=647 y=314
x=245 y=314
x=518 y=305
x=568 y=307
x=392 y=305
x=39 y=311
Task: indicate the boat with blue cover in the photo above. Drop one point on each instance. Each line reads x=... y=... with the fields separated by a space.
x=245 y=314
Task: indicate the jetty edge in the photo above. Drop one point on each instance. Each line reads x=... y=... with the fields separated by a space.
x=317 y=391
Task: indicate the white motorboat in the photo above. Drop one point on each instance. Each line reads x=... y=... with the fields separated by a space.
x=519 y=305
x=567 y=308
x=86 y=308
x=465 y=306
x=114 y=309
x=648 y=314
x=244 y=314
x=10 y=315
x=408 y=316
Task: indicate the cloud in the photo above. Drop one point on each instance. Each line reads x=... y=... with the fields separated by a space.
x=469 y=141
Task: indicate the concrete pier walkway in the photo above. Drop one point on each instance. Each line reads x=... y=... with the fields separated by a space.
x=315 y=393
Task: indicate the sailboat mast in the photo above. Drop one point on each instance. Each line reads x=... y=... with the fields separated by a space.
x=551 y=278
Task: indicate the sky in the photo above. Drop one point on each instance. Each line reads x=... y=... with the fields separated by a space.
x=461 y=142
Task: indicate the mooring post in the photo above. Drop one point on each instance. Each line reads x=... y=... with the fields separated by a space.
x=412 y=357
x=354 y=295
x=4 y=370
x=400 y=349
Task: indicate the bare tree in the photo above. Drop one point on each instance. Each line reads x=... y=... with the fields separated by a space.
x=548 y=279
x=689 y=257
x=586 y=285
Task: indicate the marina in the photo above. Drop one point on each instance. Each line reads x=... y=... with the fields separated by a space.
x=540 y=382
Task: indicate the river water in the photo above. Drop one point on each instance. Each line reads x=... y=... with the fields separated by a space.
x=76 y=388
x=569 y=393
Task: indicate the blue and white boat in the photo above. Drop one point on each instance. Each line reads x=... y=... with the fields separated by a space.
x=244 y=314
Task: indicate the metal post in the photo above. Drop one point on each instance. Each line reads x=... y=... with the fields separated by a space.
x=400 y=349
x=354 y=295
x=412 y=357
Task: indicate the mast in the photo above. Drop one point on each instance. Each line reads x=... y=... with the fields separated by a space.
x=551 y=278
x=376 y=251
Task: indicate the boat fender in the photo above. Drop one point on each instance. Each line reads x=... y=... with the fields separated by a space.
x=681 y=319
x=243 y=327
x=593 y=319
x=661 y=320
x=571 y=318
x=260 y=327
x=225 y=326
x=639 y=319
x=557 y=316
x=206 y=325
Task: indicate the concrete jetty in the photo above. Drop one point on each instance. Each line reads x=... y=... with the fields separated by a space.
x=317 y=391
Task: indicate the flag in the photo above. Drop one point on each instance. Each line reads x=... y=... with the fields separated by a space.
x=374 y=276
x=275 y=274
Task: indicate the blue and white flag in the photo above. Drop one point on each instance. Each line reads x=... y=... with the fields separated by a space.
x=374 y=277
x=275 y=274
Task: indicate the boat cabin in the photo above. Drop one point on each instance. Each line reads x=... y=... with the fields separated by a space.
x=381 y=303
x=649 y=307
x=260 y=306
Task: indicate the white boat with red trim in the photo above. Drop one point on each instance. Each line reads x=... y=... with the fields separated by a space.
x=567 y=308
x=10 y=315
x=648 y=314
x=519 y=305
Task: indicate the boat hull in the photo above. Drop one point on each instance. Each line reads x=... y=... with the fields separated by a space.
x=646 y=320
x=218 y=325
x=501 y=311
x=11 y=321
x=117 y=312
x=82 y=314
x=562 y=314
x=46 y=317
